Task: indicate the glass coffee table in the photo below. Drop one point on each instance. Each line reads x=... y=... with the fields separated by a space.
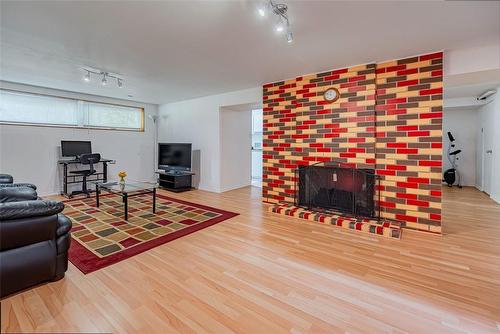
x=126 y=190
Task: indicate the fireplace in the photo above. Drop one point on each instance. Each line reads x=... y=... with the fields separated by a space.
x=336 y=187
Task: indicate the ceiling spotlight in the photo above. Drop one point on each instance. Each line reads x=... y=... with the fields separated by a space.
x=279 y=27
x=104 y=81
x=86 y=78
x=119 y=83
x=280 y=11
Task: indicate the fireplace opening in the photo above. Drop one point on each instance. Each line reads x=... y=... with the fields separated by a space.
x=335 y=187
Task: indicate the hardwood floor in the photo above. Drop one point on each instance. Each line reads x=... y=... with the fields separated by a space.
x=265 y=273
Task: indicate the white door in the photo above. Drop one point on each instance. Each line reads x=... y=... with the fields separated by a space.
x=487 y=153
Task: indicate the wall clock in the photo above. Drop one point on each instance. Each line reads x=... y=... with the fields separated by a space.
x=331 y=94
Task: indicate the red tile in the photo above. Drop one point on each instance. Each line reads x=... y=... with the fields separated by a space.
x=406 y=218
x=406 y=196
x=417 y=203
x=435 y=193
x=418 y=180
x=431 y=91
x=419 y=134
x=429 y=163
x=431 y=56
x=438 y=73
x=435 y=216
x=407 y=185
x=407 y=151
x=396 y=167
x=397 y=145
x=407 y=128
x=386 y=172
x=407 y=83
x=341 y=71
x=396 y=101
x=395 y=68
x=431 y=115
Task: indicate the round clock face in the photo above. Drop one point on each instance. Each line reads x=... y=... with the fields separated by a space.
x=332 y=95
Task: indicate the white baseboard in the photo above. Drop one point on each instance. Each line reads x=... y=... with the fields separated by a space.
x=495 y=198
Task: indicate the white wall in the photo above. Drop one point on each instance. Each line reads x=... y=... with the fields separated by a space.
x=489 y=120
x=197 y=121
x=236 y=145
x=30 y=153
x=473 y=59
x=463 y=125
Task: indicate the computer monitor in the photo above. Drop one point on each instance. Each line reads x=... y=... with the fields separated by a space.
x=73 y=148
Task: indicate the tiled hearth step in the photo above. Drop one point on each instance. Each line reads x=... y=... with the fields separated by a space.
x=386 y=228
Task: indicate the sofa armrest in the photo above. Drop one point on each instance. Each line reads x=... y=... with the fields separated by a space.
x=16 y=194
x=6 y=179
x=27 y=209
x=63 y=225
x=30 y=185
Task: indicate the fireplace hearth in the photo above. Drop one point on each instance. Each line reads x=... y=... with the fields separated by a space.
x=337 y=187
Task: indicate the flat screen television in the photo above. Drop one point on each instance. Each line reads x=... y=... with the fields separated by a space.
x=174 y=156
x=73 y=148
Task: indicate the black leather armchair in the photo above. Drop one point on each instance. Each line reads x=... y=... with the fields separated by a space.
x=34 y=240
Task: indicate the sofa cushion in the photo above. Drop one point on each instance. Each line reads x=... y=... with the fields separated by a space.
x=16 y=194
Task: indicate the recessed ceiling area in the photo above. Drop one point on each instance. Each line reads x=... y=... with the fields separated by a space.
x=176 y=50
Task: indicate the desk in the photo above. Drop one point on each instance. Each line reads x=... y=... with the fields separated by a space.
x=71 y=179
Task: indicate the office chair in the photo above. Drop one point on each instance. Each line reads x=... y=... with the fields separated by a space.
x=86 y=159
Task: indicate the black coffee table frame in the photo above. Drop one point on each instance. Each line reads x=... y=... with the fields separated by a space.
x=125 y=196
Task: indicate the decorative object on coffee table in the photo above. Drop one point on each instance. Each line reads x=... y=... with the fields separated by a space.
x=122 y=176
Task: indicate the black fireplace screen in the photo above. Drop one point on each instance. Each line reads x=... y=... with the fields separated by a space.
x=332 y=186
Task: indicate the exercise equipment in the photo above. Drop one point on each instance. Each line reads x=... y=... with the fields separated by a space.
x=451 y=175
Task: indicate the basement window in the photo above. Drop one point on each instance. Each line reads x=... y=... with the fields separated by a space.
x=20 y=108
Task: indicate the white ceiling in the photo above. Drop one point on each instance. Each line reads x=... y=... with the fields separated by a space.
x=471 y=84
x=175 y=50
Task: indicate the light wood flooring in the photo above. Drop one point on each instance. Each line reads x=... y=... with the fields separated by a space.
x=264 y=273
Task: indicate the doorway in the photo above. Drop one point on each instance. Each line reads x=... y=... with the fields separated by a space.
x=257 y=137
x=240 y=146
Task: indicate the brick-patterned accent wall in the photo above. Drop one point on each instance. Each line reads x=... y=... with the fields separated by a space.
x=388 y=117
x=408 y=145
x=301 y=128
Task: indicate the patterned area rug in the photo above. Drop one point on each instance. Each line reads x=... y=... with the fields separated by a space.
x=101 y=237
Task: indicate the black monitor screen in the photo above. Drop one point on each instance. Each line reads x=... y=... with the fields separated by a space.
x=70 y=148
x=174 y=156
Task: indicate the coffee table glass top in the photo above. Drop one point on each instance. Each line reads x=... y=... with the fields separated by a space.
x=128 y=187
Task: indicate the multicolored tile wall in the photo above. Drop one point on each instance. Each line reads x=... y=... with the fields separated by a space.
x=388 y=118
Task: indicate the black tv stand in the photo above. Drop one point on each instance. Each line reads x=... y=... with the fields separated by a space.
x=176 y=181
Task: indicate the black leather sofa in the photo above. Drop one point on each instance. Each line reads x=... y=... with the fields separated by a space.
x=34 y=239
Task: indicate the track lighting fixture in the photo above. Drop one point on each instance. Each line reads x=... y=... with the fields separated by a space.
x=105 y=75
x=280 y=10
